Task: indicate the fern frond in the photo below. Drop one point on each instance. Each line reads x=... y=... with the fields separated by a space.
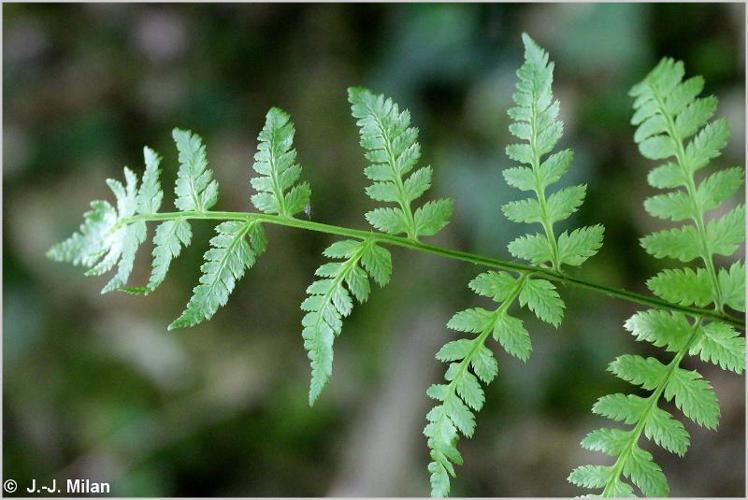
x=233 y=250
x=106 y=238
x=275 y=161
x=196 y=189
x=150 y=194
x=667 y=113
x=330 y=300
x=171 y=236
x=536 y=122
x=462 y=394
x=391 y=146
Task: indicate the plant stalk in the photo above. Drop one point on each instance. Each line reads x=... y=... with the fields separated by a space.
x=447 y=253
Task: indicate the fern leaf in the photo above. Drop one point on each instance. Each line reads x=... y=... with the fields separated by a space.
x=645 y=474
x=694 y=396
x=494 y=284
x=727 y=233
x=626 y=408
x=732 y=285
x=107 y=238
x=637 y=370
x=542 y=298
x=329 y=300
x=512 y=335
x=86 y=246
x=275 y=161
x=575 y=247
x=108 y=235
x=377 y=261
x=150 y=194
x=196 y=189
x=590 y=476
x=123 y=242
x=535 y=121
x=683 y=286
x=719 y=187
x=432 y=217
x=608 y=441
x=565 y=202
x=669 y=175
x=534 y=248
x=462 y=394
x=667 y=113
x=233 y=250
x=662 y=328
x=722 y=345
x=666 y=432
x=674 y=206
x=168 y=241
x=391 y=146
x=680 y=243
x=473 y=320
x=170 y=236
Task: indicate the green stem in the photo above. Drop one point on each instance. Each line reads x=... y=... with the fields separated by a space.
x=399 y=241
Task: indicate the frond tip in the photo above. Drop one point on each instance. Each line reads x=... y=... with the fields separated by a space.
x=108 y=235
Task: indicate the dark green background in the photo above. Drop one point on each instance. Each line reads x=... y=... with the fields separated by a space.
x=95 y=387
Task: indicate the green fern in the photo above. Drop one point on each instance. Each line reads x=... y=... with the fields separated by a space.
x=103 y=240
x=171 y=236
x=196 y=189
x=668 y=112
x=233 y=250
x=330 y=300
x=236 y=246
x=275 y=161
x=535 y=122
x=390 y=143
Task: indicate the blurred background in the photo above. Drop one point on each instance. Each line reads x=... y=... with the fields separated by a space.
x=94 y=386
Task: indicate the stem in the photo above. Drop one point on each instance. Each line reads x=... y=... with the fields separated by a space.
x=399 y=241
